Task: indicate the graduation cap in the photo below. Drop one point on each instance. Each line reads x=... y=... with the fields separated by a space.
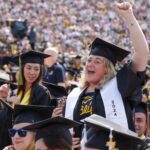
x=104 y=134
x=71 y=71
x=55 y=90
x=31 y=113
x=55 y=130
x=30 y=57
x=113 y=53
x=141 y=107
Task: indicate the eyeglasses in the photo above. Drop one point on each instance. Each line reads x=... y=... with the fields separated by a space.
x=21 y=133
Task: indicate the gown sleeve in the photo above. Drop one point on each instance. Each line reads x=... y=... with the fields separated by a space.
x=40 y=96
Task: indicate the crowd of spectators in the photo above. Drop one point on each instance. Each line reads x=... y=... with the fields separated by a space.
x=69 y=25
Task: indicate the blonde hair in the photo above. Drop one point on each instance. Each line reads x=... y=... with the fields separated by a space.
x=110 y=73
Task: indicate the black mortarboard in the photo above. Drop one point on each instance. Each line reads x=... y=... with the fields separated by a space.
x=56 y=90
x=12 y=85
x=98 y=134
x=71 y=71
x=113 y=53
x=55 y=129
x=141 y=107
x=30 y=57
x=2 y=81
x=31 y=113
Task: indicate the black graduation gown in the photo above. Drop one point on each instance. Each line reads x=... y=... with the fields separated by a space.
x=5 y=124
x=40 y=96
x=127 y=81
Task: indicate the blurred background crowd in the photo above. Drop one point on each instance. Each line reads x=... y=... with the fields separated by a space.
x=67 y=25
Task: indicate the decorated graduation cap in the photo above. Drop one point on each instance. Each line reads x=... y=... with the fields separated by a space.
x=54 y=130
x=102 y=48
x=31 y=113
x=30 y=57
x=104 y=134
x=56 y=90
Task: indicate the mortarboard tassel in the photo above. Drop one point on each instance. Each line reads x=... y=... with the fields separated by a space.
x=111 y=144
x=20 y=82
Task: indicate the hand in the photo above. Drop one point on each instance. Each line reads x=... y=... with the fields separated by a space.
x=13 y=99
x=124 y=10
x=57 y=112
x=4 y=91
x=61 y=102
x=75 y=142
x=10 y=147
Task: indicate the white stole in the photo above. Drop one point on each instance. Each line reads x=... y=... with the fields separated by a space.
x=111 y=97
x=71 y=102
x=113 y=103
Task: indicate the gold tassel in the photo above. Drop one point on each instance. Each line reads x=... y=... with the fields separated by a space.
x=20 y=82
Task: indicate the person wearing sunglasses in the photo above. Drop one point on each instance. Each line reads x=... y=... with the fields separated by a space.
x=53 y=133
x=25 y=115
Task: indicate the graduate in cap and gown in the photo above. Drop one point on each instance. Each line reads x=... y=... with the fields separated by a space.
x=53 y=133
x=141 y=122
x=25 y=115
x=104 y=91
x=30 y=72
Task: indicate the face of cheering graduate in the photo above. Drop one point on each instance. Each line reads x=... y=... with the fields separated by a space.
x=31 y=72
x=140 y=123
x=95 y=69
x=25 y=142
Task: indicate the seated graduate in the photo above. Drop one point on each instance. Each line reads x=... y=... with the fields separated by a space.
x=53 y=133
x=103 y=134
x=24 y=115
x=30 y=92
x=141 y=122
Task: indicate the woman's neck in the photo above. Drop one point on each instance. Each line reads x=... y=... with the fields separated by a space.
x=91 y=88
x=27 y=87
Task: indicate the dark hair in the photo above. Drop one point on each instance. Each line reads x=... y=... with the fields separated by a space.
x=22 y=87
x=54 y=143
x=55 y=136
